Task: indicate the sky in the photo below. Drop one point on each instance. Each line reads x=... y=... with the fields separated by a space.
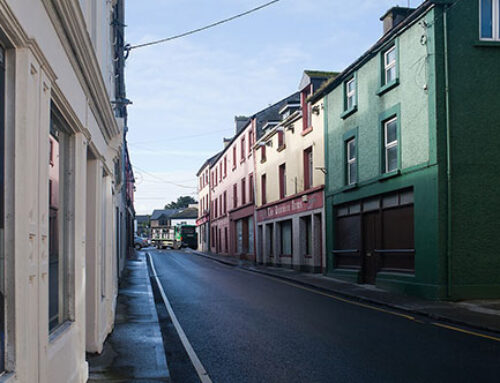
x=186 y=92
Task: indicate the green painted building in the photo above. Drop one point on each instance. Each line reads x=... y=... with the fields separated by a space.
x=412 y=155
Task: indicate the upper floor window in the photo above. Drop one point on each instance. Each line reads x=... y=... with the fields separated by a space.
x=281 y=138
x=250 y=188
x=391 y=145
x=490 y=19
x=282 y=179
x=243 y=148
x=235 y=195
x=350 y=93
x=263 y=153
x=390 y=65
x=308 y=168
x=263 y=189
x=351 y=162
x=243 y=191
x=306 y=108
x=225 y=167
x=234 y=157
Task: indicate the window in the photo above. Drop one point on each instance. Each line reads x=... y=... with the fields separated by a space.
x=263 y=188
x=250 y=142
x=490 y=20
x=263 y=153
x=350 y=94
x=391 y=145
x=104 y=225
x=2 y=202
x=306 y=108
x=220 y=205
x=216 y=176
x=225 y=202
x=234 y=157
x=390 y=65
x=281 y=138
x=308 y=168
x=286 y=238
x=60 y=182
x=250 y=188
x=243 y=191
x=216 y=208
x=282 y=178
x=307 y=229
x=235 y=196
x=225 y=167
x=243 y=149
x=351 y=162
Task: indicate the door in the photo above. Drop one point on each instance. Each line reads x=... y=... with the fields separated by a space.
x=371 y=241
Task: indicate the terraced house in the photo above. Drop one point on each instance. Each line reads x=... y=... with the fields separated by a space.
x=412 y=133
x=290 y=180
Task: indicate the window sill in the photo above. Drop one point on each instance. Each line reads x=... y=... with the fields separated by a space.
x=392 y=174
x=350 y=187
x=263 y=161
x=307 y=131
x=281 y=148
x=348 y=112
x=487 y=43
x=242 y=160
x=387 y=87
x=59 y=331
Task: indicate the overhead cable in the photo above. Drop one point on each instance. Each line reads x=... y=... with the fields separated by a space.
x=129 y=47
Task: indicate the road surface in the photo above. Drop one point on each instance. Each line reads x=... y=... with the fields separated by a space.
x=246 y=327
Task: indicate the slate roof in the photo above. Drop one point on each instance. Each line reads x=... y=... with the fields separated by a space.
x=157 y=214
x=190 y=212
x=142 y=219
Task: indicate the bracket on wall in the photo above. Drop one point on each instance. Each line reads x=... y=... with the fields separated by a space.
x=322 y=169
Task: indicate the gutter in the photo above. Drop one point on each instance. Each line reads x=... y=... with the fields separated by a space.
x=448 y=157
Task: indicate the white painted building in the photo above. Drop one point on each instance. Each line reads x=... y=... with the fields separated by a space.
x=62 y=237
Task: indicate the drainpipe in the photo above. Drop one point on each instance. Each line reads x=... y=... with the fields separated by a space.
x=448 y=157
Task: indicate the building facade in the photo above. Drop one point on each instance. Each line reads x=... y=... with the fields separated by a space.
x=289 y=170
x=204 y=201
x=61 y=139
x=406 y=158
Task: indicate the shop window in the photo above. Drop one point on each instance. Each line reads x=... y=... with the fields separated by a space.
x=60 y=255
x=307 y=232
x=2 y=209
x=286 y=238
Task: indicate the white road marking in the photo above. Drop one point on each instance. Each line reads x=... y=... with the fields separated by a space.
x=200 y=370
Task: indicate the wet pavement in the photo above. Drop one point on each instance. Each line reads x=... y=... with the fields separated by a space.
x=483 y=315
x=134 y=351
x=247 y=327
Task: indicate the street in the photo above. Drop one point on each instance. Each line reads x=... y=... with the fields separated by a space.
x=246 y=327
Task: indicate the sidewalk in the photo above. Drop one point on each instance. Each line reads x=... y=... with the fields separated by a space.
x=134 y=351
x=481 y=315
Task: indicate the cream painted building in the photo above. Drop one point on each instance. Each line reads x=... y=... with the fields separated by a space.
x=290 y=180
x=62 y=240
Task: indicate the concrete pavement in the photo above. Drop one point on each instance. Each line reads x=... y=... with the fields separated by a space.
x=134 y=351
x=481 y=315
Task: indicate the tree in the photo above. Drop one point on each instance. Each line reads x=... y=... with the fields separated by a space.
x=181 y=203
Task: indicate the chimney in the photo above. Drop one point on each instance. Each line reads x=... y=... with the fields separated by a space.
x=395 y=16
x=240 y=122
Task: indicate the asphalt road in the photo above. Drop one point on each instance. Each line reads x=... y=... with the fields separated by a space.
x=245 y=327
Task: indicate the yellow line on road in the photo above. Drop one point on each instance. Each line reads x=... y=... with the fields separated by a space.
x=360 y=304
x=478 y=334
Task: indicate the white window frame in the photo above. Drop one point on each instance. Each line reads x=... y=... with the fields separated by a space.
x=389 y=145
x=350 y=161
x=495 y=21
x=350 y=95
x=390 y=65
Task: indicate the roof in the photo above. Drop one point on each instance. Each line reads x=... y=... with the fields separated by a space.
x=208 y=162
x=315 y=77
x=190 y=212
x=271 y=113
x=167 y=213
x=332 y=83
x=142 y=218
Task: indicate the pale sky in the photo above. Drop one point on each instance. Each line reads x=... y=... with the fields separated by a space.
x=186 y=92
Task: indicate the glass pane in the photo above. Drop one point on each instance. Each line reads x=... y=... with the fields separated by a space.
x=392 y=159
x=286 y=238
x=390 y=56
x=390 y=74
x=54 y=233
x=350 y=86
x=487 y=19
x=351 y=145
x=353 y=173
x=350 y=102
x=391 y=133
